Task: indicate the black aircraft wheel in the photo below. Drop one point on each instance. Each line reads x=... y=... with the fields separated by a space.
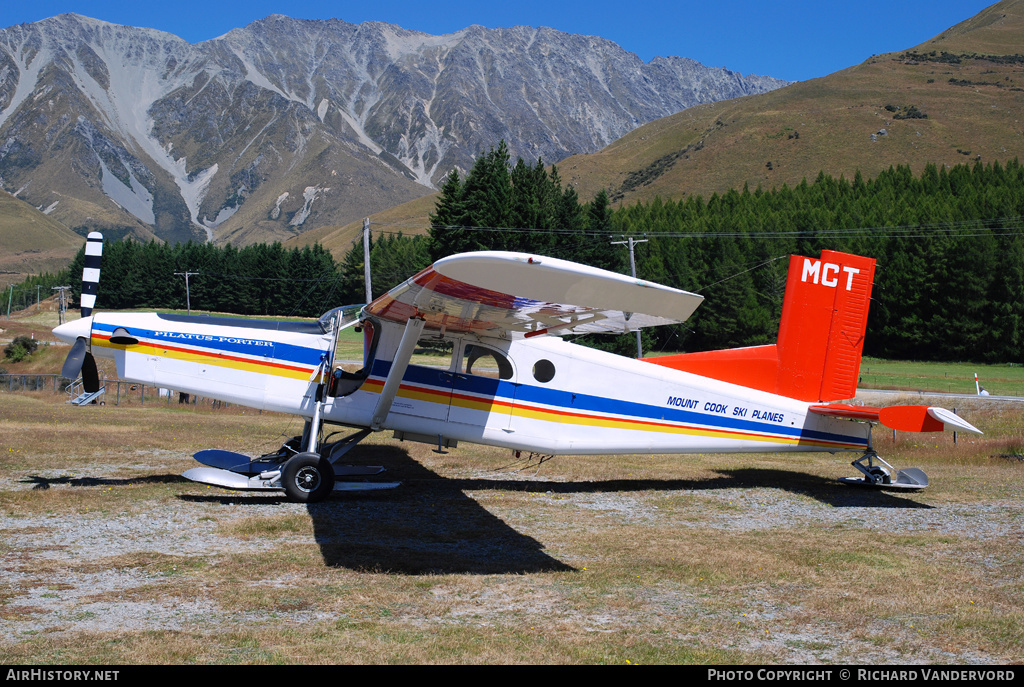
x=880 y=476
x=307 y=478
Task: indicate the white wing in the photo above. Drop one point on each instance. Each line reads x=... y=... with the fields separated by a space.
x=517 y=294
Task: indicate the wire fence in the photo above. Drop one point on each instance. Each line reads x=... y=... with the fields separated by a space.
x=24 y=382
x=117 y=392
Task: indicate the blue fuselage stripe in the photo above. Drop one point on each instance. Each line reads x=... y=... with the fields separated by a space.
x=238 y=345
x=557 y=399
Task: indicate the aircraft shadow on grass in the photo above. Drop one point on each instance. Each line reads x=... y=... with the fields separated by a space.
x=430 y=526
x=825 y=490
x=47 y=482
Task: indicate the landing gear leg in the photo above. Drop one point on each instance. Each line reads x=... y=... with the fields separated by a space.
x=309 y=476
x=879 y=474
x=876 y=471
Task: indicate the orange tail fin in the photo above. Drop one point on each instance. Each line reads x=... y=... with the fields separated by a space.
x=821 y=335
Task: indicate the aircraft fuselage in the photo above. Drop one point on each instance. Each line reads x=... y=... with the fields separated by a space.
x=541 y=394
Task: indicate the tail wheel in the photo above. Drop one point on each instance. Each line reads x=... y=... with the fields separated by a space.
x=880 y=476
x=307 y=478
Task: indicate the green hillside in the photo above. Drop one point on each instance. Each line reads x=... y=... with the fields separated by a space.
x=31 y=242
x=956 y=98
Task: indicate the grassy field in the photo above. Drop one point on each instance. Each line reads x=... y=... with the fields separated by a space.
x=109 y=556
x=953 y=378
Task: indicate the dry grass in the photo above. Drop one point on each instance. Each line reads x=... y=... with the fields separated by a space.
x=480 y=558
x=411 y=218
x=31 y=242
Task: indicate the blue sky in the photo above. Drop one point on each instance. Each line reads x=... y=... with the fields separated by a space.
x=788 y=39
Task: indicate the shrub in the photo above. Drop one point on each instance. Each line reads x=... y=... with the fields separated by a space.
x=20 y=348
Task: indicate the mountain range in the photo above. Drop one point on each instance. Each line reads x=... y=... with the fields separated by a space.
x=286 y=124
x=955 y=99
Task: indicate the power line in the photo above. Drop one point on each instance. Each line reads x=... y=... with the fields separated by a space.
x=969 y=227
x=733 y=276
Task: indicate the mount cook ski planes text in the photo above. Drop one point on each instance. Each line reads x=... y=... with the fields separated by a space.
x=508 y=379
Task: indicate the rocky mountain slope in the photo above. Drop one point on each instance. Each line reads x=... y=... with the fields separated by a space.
x=287 y=124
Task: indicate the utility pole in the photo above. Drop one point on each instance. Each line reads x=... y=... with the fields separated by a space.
x=188 y=295
x=9 y=297
x=366 y=258
x=632 y=268
x=62 y=302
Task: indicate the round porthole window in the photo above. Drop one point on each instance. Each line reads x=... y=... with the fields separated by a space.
x=543 y=370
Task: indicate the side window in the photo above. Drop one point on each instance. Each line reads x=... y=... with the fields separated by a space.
x=485 y=362
x=543 y=371
x=433 y=352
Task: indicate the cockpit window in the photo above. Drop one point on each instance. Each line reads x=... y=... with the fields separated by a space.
x=345 y=379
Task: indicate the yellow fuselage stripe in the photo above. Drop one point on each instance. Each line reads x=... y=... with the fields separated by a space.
x=234 y=362
x=582 y=419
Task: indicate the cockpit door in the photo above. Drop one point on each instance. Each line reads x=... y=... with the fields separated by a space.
x=483 y=388
x=426 y=389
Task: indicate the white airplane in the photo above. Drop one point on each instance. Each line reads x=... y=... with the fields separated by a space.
x=509 y=380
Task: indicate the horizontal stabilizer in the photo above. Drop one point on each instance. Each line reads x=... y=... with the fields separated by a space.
x=902 y=418
x=953 y=421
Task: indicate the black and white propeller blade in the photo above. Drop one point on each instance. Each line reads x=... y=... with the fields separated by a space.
x=91 y=271
x=90 y=375
x=80 y=360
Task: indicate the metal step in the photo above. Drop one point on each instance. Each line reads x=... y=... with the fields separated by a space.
x=88 y=397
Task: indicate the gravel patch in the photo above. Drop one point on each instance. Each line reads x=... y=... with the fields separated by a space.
x=54 y=582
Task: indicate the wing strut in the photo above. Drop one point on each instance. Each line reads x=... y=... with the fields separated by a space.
x=413 y=329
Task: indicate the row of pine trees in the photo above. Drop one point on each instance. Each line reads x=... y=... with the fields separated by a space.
x=949 y=245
